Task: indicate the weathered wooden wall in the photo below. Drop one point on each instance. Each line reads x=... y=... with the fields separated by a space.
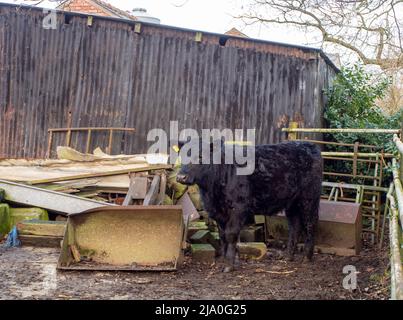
x=109 y=75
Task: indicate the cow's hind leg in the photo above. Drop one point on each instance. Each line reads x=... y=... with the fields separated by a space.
x=294 y=227
x=310 y=221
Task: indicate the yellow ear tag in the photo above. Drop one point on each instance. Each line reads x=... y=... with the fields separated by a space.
x=176 y=148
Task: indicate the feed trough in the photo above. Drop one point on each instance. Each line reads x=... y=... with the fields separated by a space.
x=148 y=238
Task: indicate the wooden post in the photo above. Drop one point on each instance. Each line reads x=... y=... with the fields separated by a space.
x=50 y=140
x=68 y=138
x=87 y=148
x=110 y=141
x=293 y=135
x=356 y=145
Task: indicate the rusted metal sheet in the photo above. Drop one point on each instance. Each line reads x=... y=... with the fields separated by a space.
x=47 y=199
x=339 y=228
x=108 y=75
x=142 y=238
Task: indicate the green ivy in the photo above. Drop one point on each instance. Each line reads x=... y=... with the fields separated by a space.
x=352 y=104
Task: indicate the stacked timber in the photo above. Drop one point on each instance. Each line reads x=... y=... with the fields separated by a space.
x=97 y=176
x=41 y=233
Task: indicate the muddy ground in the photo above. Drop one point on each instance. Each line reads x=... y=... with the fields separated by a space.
x=30 y=273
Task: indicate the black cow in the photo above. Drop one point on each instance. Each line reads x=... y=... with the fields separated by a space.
x=287 y=176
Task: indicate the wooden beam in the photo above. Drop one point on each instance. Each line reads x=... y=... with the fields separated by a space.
x=99 y=174
x=152 y=194
x=90 y=128
x=87 y=148
x=40 y=241
x=47 y=199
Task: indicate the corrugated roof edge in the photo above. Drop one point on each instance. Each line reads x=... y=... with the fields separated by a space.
x=301 y=47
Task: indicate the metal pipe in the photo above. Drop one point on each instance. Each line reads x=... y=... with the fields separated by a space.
x=333 y=130
x=385 y=212
x=396 y=271
x=339 y=174
x=353 y=186
x=348 y=159
x=399 y=189
x=374 y=198
x=338 y=143
x=398 y=143
x=351 y=154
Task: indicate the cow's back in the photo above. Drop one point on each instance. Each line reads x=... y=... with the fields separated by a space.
x=283 y=173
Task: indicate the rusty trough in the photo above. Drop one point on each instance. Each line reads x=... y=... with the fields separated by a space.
x=339 y=229
x=132 y=238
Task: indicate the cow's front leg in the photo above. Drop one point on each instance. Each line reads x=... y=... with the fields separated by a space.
x=223 y=243
x=232 y=231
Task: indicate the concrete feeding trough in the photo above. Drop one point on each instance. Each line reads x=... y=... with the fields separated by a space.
x=135 y=238
x=339 y=229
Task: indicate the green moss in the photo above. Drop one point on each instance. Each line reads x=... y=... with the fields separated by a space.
x=200 y=225
x=20 y=214
x=203 y=252
x=201 y=236
x=4 y=219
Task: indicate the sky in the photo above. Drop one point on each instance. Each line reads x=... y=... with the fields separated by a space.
x=205 y=15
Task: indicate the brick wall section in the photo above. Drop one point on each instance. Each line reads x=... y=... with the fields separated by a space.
x=85 y=7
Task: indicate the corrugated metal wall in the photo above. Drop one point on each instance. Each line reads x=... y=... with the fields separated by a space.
x=109 y=75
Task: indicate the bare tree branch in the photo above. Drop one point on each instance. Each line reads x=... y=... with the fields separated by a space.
x=369 y=29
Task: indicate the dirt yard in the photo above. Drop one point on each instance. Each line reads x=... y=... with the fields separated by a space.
x=30 y=273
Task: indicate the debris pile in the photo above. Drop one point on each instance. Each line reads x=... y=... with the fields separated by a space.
x=37 y=196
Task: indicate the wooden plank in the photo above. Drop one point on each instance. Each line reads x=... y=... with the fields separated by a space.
x=41 y=228
x=152 y=194
x=110 y=141
x=163 y=187
x=189 y=211
x=87 y=148
x=99 y=174
x=40 y=241
x=137 y=190
x=75 y=253
x=91 y=128
x=50 y=140
x=47 y=199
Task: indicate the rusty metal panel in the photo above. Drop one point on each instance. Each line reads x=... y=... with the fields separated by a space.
x=144 y=238
x=107 y=75
x=342 y=212
x=339 y=227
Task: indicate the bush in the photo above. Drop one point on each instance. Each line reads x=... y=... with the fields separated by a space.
x=352 y=104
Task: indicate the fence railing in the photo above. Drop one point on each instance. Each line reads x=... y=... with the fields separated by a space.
x=394 y=196
x=360 y=164
x=395 y=227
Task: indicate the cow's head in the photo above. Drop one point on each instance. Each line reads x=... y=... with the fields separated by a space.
x=197 y=158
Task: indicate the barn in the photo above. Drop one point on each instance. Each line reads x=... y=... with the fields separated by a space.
x=92 y=71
